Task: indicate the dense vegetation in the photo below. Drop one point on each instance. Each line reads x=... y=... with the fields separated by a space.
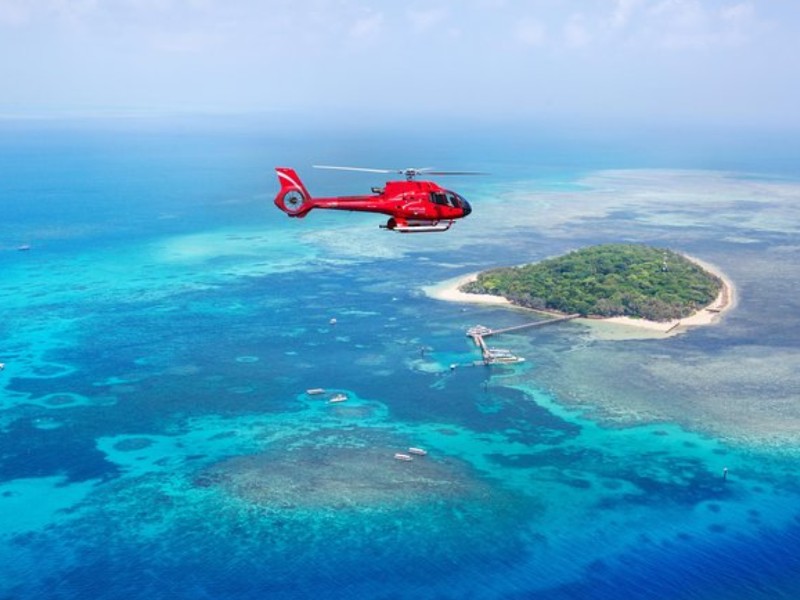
x=608 y=280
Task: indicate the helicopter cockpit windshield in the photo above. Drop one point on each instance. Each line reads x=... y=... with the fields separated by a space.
x=452 y=200
x=448 y=199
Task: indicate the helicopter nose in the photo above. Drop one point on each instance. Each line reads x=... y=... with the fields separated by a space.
x=467 y=208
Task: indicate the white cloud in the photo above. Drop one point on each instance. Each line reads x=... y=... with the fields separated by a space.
x=576 y=32
x=187 y=42
x=530 y=32
x=681 y=24
x=15 y=12
x=639 y=55
x=623 y=13
x=423 y=20
x=740 y=22
x=670 y=24
x=739 y=13
x=367 y=27
x=21 y=12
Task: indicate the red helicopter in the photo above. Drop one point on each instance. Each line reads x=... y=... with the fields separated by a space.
x=413 y=206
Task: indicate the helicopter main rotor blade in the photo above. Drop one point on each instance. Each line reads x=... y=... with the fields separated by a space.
x=433 y=171
x=455 y=173
x=409 y=173
x=355 y=169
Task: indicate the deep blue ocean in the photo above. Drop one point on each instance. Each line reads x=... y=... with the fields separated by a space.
x=162 y=323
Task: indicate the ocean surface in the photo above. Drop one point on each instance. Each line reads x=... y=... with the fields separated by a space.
x=162 y=323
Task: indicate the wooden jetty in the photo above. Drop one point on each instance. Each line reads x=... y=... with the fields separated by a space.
x=495 y=356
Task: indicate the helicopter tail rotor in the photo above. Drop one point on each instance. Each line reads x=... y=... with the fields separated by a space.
x=293 y=197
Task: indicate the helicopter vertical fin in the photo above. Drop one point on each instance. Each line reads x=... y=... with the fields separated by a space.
x=293 y=197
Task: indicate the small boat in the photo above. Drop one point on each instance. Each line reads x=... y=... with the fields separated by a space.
x=417 y=451
x=24 y=247
x=315 y=391
x=2 y=366
x=501 y=355
x=505 y=360
x=401 y=456
x=337 y=398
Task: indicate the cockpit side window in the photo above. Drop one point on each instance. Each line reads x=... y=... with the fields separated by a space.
x=445 y=199
x=439 y=198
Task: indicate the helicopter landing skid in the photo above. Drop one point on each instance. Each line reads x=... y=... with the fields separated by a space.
x=417 y=226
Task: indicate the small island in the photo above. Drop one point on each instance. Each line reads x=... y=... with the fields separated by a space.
x=628 y=284
x=611 y=280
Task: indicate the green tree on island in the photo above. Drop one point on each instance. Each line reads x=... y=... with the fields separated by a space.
x=606 y=281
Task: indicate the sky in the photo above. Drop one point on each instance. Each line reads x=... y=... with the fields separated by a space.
x=718 y=61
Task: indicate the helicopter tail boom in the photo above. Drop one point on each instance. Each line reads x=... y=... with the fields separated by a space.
x=293 y=197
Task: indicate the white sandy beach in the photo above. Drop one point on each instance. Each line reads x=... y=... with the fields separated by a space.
x=611 y=327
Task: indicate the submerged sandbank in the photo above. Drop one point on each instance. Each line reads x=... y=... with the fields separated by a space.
x=608 y=327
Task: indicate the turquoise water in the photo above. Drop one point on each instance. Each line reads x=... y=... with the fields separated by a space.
x=161 y=332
